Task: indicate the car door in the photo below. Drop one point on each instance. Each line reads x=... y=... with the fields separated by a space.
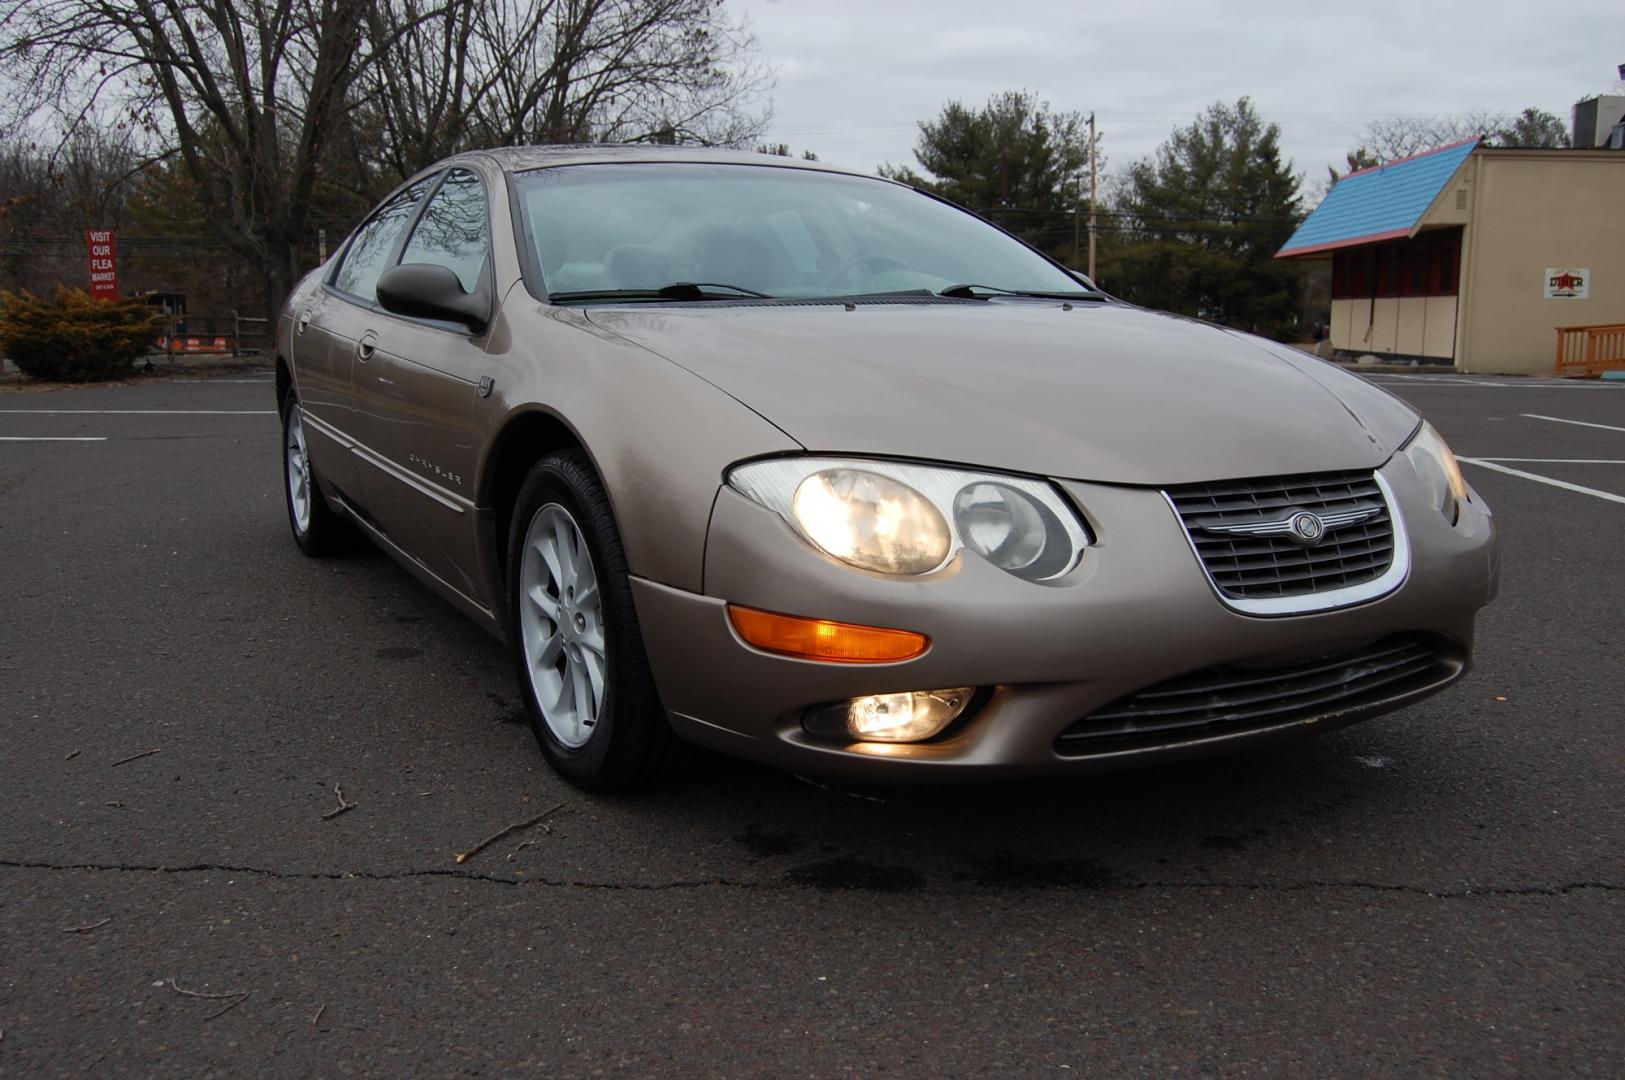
x=337 y=325
x=326 y=396
x=417 y=390
x=329 y=333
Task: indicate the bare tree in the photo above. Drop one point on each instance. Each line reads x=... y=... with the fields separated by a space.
x=252 y=96
x=505 y=72
x=247 y=94
x=1397 y=137
x=50 y=194
x=82 y=182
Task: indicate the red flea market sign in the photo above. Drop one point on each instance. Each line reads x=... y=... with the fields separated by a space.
x=103 y=264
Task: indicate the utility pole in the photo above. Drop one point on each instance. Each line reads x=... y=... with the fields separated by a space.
x=1077 y=220
x=1093 y=209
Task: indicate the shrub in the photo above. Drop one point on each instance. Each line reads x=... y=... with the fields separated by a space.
x=73 y=336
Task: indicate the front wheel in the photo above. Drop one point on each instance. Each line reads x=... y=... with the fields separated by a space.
x=316 y=528
x=576 y=644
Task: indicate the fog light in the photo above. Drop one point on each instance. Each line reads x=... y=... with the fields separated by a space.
x=910 y=716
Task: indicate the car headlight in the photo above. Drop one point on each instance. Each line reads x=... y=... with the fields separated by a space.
x=1438 y=470
x=872 y=521
x=897 y=518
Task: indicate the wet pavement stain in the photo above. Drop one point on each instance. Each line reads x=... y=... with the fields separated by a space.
x=847 y=872
x=1008 y=870
x=767 y=844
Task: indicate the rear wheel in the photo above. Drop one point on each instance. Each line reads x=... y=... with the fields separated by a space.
x=577 y=647
x=316 y=528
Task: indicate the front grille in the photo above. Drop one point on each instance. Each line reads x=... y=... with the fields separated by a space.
x=1251 y=567
x=1230 y=696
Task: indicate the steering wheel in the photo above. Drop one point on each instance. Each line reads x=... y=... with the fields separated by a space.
x=839 y=272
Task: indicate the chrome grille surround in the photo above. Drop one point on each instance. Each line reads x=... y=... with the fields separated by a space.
x=1237 y=529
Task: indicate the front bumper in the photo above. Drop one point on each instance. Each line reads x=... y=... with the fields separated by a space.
x=1137 y=611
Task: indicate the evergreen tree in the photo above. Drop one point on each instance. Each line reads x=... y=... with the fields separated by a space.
x=1202 y=219
x=783 y=150
x=1533 y=129
x=1014 y=160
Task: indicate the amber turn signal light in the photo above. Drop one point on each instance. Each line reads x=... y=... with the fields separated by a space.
x=822 y=639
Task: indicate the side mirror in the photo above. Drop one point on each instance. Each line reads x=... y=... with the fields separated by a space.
x=428 y=291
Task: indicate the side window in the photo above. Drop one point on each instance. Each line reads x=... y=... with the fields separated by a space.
x=453 y=231
x=364 y=261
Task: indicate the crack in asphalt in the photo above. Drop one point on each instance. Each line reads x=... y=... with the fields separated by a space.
x=1471 y=893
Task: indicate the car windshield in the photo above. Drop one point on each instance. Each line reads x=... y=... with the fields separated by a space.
x=618 y=230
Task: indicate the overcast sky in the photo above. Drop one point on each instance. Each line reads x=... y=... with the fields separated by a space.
x=854 y=76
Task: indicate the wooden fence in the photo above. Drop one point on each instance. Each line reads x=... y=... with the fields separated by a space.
x=1588 y=351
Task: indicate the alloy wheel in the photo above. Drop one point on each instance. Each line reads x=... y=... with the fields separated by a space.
x=561 y=625
x=298 y=458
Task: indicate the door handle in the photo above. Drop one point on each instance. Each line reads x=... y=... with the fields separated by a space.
x=366 y=346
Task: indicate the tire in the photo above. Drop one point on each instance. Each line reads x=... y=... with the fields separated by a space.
x=317 y=529
x=576 y=645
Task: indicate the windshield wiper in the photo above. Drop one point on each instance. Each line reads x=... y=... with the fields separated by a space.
x=677 y=290
x=969 y=291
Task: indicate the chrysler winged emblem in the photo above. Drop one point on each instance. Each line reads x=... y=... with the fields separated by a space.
x=1307 y=528
x=1303 y=526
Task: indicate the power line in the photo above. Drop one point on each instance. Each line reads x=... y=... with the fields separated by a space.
x=1133 y=216
x=1312 y=117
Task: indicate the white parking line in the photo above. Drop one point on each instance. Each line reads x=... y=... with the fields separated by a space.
x=1576 y=423
x=1444 y=380
x=1565 y=485
x=140 y=412
x=1399 y=379
x=1559 y=460
x=53 y=438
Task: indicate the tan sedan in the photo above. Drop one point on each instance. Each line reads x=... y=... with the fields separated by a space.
x=816 y=469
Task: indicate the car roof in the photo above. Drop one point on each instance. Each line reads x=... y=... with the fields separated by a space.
x=523 y=158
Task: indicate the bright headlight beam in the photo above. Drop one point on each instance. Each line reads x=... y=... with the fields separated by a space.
x=906 y=519
x=872 y=521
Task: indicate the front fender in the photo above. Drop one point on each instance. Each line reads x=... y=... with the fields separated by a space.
x=660 y=437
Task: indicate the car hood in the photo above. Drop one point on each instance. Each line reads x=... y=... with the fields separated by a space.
x=1093 y=391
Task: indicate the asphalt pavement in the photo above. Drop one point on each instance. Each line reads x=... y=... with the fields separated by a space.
x=1436 y=892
